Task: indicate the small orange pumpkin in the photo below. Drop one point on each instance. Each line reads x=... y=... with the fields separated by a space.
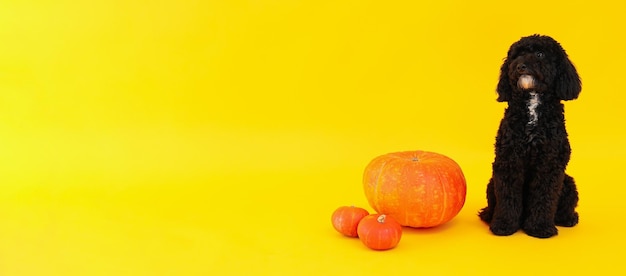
x=416 y=188
x=346 y=219
x=379 y=232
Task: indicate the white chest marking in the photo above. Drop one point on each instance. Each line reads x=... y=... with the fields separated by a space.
x=532 y=104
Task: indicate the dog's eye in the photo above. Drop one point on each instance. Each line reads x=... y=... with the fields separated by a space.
x=539 y=54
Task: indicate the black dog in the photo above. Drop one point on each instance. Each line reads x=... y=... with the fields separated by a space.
x=529 y=188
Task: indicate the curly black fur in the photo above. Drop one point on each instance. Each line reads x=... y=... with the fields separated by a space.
x=529 y=188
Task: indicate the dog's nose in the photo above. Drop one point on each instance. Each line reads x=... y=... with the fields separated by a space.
x=521 y=68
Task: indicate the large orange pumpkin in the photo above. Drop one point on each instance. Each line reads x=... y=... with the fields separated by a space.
x=416 y=188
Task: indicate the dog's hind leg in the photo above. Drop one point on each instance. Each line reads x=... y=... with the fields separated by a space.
x=487 y=213
x=568 y=200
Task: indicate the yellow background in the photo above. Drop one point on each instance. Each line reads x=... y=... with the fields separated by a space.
x=217 y=137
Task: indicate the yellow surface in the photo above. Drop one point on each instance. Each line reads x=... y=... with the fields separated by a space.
x=217 y=137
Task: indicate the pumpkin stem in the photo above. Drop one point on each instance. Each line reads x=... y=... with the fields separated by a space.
x=381 y=218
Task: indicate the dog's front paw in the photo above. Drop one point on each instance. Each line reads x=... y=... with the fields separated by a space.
x=567 y=221
x=503 y=228
x=540 y=230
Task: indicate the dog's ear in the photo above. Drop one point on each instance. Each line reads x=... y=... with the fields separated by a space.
x=504 y=88
x=567 y=83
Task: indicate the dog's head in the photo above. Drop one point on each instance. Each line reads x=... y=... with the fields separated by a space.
x=538 y=63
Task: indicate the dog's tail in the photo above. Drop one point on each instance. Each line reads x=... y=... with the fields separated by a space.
x=487 y=213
